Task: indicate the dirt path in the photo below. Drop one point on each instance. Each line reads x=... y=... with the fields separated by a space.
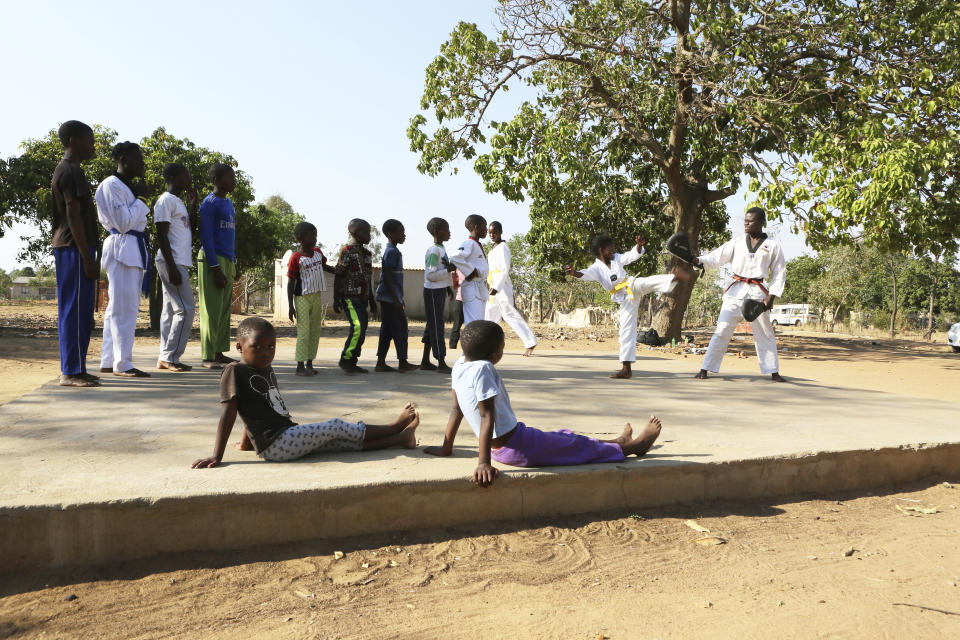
x=847 y=567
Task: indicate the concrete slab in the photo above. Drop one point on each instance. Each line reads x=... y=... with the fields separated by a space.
x=93 y=476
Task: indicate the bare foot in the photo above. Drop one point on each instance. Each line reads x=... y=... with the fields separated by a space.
x=702 y=375
x=406 y=366
x=426 y=365
x=776 y=377
x=77 y=381
x=173 y=366
x=627 y=435
x=222 y=359
x=243 y=445
x=384 y=368
x=407 y=415
x=211 y=364
x=409 y=432
x=623 y=374
x=89 y=377
x=529 y=351
x=303 y=372
x=106 y=369
x=647 y=437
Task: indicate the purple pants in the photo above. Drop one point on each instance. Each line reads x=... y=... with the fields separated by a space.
x=529 y=447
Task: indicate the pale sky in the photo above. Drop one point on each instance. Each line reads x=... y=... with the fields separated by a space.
x=312 y=98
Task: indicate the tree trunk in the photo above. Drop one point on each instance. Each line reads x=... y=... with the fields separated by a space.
x=668 y=320
x=933 y=290
x=893 y=315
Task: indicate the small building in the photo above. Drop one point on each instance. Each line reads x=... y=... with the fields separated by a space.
x=26 y=288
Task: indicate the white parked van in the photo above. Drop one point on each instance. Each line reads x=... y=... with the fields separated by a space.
x=793 y=314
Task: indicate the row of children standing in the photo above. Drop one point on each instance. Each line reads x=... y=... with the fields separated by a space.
x=121 y=208
x=355 y=296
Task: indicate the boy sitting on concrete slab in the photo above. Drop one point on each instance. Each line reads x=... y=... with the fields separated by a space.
x=480 y=396
x=250 y=389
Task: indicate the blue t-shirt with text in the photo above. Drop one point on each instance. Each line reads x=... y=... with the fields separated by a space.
x=218 y=232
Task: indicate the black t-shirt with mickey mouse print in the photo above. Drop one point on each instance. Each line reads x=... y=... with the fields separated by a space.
x=258 y=402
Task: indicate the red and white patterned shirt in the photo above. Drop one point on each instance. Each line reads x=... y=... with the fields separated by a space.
x=309 y=269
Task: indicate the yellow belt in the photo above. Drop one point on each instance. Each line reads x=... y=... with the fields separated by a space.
x=623 y=285
x=490 y=276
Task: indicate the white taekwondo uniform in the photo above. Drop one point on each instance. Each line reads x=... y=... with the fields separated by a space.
x=469 y=256
x=626 y=291
x=767 y=261
x=125 y=256
x=501 y=305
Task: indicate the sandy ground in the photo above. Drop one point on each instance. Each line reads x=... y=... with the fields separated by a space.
x=855 y=566
x=784 y=570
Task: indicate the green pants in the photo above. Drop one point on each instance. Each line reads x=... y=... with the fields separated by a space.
x=309 y=309
x=214 y=307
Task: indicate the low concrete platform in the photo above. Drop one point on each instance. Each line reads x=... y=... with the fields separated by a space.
x=102 y=475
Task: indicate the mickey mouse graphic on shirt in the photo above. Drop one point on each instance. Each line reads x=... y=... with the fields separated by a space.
x=268 y=390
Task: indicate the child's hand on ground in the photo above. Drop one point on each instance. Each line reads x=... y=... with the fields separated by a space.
x=205 y=463
x=485 y=474
x=438 y=451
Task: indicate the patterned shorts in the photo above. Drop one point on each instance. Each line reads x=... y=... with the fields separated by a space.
x=302 y=439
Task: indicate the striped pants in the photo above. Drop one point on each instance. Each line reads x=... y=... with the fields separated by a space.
x=356 y=312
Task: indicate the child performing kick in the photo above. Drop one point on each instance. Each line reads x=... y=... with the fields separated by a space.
x=753 y=258
x=250 y=389
x=472 y=262
x=626 y=290
x=500 y=304
x=479 y=395
x=304 y=290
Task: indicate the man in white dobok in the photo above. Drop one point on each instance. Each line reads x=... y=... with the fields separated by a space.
x=759 y=268
x=500 y=304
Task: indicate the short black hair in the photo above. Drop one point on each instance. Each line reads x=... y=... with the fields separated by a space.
x=390 y=225
x=480 y=339
x=600 y=241
x=72 y=128
x=757 y=210
x=474 y=220
x=173 y=170
x=496 y=225
x=218 y=170
x=124 y=149
x=354 y=226
x=253 y=325
x=435 y=224
x=302 y=229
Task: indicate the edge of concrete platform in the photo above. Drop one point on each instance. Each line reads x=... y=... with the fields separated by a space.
x=43 y=537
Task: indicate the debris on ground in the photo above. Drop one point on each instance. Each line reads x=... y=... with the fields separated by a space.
x=710 y=541
x=696 y=527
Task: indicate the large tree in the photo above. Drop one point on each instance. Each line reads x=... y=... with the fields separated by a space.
x=649 y=113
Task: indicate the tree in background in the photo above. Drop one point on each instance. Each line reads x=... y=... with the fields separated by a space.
x=801 y=272
x=273 y=222
x=648 y=113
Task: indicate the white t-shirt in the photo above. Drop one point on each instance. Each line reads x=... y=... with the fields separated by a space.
x=477 y=380
x=170 y=208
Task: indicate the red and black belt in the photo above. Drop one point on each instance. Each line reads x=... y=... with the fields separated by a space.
x=756 y=281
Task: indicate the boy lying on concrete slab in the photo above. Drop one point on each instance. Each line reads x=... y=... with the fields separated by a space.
x=250 y=388
x=480 y=396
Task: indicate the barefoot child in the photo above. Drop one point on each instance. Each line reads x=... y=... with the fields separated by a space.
x=437 y=285
x=353 y=291
x=479 y=395
x=393 y=315
x=500 y=304
x=608 y=270
x=250 y=389
x=304 y=291
x=472 y=262
x=217 y=267
x=174 y=260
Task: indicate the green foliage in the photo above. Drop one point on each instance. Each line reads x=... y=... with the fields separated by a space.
x=705 y=301
x=647 y=115
x=801 y=272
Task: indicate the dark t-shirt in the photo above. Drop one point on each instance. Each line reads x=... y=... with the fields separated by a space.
x=392 y=259
x=258 y=402
x=70 y=183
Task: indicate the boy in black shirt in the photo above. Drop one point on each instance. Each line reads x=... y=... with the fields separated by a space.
x=250 y=389
x=74 y=252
